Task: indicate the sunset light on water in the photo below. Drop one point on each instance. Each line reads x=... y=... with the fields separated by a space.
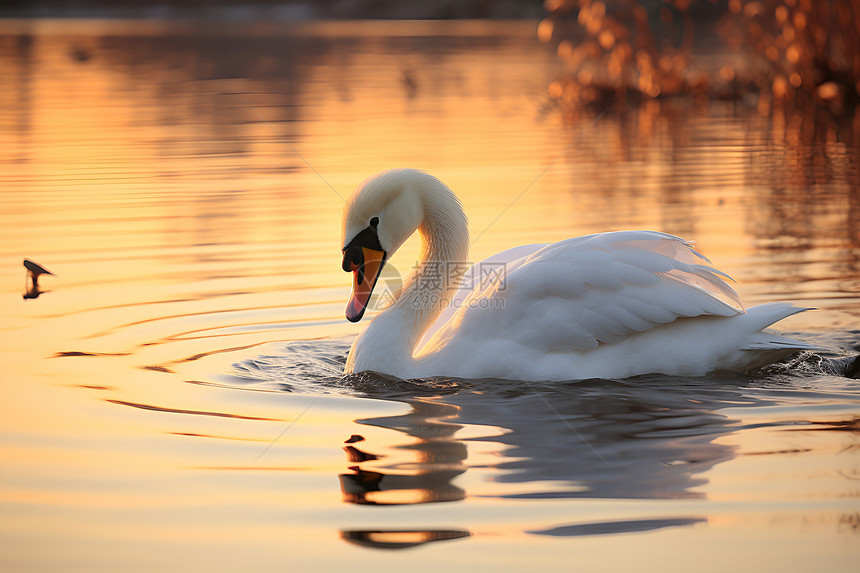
x=173 y=396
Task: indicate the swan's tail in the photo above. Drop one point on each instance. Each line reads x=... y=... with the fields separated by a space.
x=763 y=347
x=762 y=316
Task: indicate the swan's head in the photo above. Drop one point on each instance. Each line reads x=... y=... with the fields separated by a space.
x=379 y=216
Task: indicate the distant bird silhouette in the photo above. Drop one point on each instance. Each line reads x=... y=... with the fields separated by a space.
x=31 y=281
x=407 y=78
x=34 y=270
x=79 y=54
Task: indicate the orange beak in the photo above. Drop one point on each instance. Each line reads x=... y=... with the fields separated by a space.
x=365 y=273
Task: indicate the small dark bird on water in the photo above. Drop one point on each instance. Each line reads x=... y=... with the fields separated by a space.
x=34 y=270
x=409 y=83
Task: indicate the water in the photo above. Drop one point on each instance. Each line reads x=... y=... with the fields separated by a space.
x=173 y=399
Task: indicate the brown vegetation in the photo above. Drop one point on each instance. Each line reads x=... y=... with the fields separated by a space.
x=782 y=52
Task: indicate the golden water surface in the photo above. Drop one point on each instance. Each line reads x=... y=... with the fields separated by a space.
x=170 y=396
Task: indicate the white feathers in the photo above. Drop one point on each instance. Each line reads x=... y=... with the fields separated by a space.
x=596 y=289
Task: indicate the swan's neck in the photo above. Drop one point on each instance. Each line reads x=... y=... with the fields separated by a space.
x=388 y=343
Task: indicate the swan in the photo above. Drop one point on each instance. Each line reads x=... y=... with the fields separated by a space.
x=608 y=305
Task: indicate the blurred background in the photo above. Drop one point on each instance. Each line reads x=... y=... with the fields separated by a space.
x=799 y=54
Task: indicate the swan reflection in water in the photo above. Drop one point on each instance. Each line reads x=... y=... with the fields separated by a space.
x=647 y=438
x=400 y=539
x=438 y=458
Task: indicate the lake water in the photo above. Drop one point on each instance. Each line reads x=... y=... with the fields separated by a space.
x=172 y=400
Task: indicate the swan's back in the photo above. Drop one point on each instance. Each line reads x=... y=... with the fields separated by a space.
x=605 y=305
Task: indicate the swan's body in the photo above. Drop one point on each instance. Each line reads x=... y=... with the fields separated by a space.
x=610 y=305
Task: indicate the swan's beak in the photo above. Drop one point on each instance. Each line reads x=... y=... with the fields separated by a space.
x=365 y=264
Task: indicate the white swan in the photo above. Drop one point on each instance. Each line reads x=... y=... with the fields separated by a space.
x=609 y=305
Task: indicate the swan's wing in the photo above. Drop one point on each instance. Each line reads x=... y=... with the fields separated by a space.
x=576 y=294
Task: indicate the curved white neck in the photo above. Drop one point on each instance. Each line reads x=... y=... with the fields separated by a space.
x=388 y=343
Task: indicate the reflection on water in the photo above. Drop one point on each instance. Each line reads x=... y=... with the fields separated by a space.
x=434 y=457
x=399 y=539
x=651 y=439
x=177 y=396
x=648 y=438
x=617 y=527
x=33 y=291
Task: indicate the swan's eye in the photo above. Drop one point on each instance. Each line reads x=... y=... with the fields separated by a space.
x=374 y=222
